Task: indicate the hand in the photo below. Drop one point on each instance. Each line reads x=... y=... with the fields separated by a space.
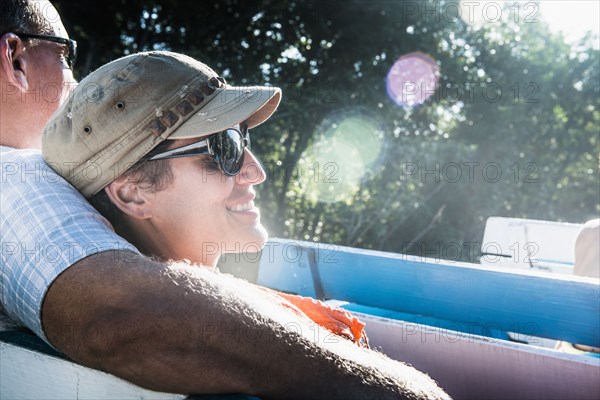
x=334 y=319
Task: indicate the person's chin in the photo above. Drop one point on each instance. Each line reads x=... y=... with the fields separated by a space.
x=259 y=237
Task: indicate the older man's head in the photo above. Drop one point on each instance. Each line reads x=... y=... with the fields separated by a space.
x=35 y=69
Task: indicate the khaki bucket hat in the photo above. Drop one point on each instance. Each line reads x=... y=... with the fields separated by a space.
x=121 y=111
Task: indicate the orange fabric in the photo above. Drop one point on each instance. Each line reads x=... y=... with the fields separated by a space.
x=334 y=319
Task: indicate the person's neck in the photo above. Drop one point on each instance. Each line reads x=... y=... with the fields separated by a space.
x=152 y=244
x=129 y=233
x=20 y=143
x=15 y=133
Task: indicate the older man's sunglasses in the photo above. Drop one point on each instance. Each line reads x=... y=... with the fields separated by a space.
x=226 y=147
x=71 y=45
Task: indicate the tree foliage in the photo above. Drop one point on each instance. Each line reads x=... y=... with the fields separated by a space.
x=511 y=130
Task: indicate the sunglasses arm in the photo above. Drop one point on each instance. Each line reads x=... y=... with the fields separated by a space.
x=183 y=150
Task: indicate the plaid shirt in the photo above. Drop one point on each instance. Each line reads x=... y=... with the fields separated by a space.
x=45 y=227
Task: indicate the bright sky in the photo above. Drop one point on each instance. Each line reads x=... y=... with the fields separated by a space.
x=573 y=18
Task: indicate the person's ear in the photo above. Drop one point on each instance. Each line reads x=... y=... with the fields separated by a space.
x=13 y=62
x=130 y=198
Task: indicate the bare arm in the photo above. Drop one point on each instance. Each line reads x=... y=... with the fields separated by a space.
x=187 y=330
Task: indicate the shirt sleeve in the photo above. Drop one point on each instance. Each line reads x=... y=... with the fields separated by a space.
x=46 y=226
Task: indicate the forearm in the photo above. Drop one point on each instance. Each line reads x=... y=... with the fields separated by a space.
x=133 y=318
x=187 y=330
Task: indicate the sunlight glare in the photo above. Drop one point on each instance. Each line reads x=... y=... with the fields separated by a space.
x=348 y=148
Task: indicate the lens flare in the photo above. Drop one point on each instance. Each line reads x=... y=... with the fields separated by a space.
x=347 y=150
x=412 y=79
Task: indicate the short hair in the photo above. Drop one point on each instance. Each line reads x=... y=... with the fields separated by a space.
x=156 y=175
x=26 y=16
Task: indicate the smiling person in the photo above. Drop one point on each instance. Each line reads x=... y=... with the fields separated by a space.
x=190 y=196
x=192 y=193
x=160 y=144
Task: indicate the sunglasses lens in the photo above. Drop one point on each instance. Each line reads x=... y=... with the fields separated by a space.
x=229 y=151
x=72 y=53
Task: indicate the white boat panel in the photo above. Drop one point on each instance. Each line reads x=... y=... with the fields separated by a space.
x=530 y=244
x=26 y=374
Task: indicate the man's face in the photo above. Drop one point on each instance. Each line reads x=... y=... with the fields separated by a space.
x=49 y=77
x=204 y=213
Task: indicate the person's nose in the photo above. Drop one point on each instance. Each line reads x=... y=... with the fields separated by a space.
x=252 y=173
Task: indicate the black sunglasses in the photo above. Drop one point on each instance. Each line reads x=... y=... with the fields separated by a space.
x=70 y=43
x=226 y=147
